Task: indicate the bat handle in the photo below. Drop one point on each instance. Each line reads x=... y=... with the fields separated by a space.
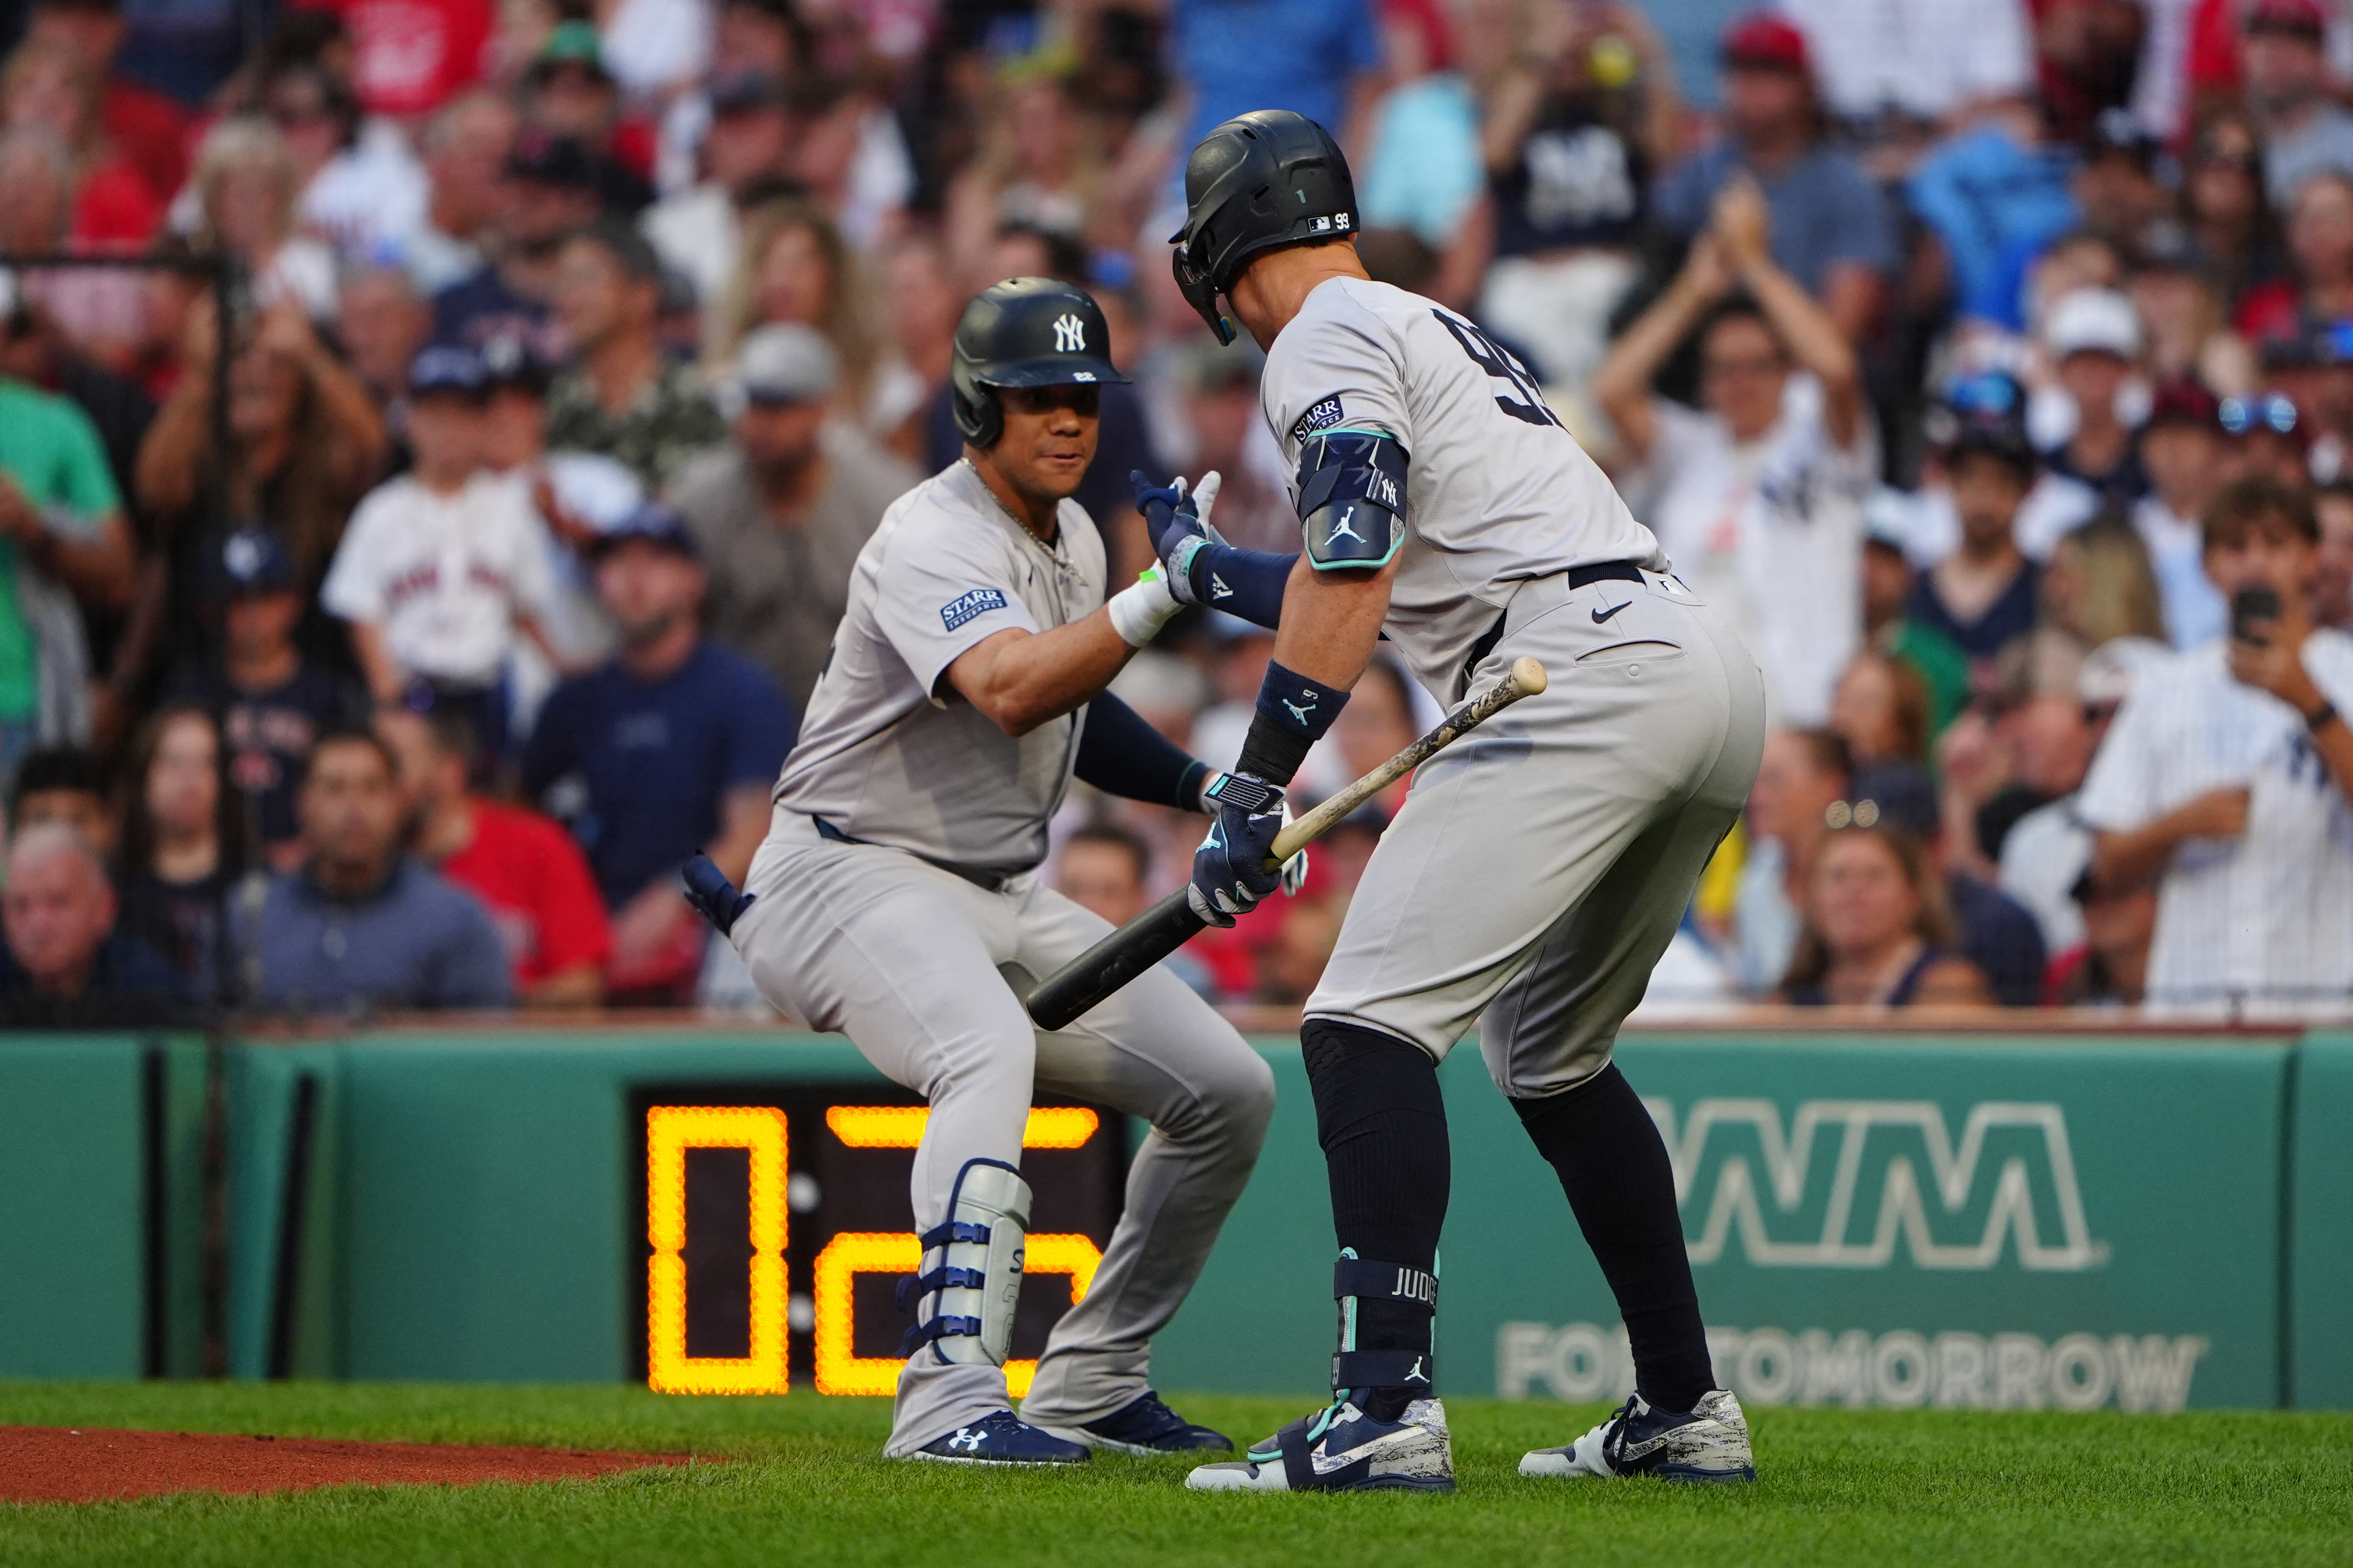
x=1066 y=996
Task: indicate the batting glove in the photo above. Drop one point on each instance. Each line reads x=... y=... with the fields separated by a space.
x=1178 y=521
x=1231 y=873
x=713 y=895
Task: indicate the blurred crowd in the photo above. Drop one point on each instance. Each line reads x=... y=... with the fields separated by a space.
x=434 y=539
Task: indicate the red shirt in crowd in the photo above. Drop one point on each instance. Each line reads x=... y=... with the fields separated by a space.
x=408 y=56
x=151 y=133
x=535 y=882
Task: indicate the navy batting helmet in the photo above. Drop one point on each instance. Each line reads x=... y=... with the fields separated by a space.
x=1024 y=332
x=1263 y=179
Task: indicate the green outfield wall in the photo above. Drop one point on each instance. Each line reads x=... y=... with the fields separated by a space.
x=2000 y=1220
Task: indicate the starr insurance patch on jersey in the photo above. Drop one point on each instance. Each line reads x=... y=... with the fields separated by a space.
x=1323 y=417
x=964 y=607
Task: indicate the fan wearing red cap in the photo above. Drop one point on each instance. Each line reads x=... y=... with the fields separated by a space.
x=2285 y=74
x=1832 y=230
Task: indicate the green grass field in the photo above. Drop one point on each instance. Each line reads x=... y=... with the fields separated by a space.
x=806 y=1487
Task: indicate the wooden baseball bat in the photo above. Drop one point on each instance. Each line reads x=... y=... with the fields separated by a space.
x=1070 y=991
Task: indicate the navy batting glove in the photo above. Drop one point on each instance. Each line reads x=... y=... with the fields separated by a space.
x=1231 y=873
x=1158 y=503
x=713 y=895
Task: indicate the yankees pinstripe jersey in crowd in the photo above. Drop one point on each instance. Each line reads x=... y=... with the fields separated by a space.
x=2269 y=913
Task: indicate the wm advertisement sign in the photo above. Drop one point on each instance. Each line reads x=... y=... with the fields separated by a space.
x=2067 y=1227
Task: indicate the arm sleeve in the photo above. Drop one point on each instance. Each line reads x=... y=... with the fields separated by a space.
x=1121 y=754
x=944 y=588
x=1245 y=583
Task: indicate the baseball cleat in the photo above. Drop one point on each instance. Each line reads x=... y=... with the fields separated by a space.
x=1003 y=1438
x=1146 y=1425
x=1343 y=1449
x=1707 y=1442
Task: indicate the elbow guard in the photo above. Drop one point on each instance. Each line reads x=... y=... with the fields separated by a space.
x=1352 y=499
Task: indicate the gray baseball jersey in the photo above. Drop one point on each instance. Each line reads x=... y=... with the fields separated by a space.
x=888 y=753
x=1497 y=492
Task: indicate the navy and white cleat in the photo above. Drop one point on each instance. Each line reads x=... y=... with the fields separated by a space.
x=1706 y=1443
x=1342 y=1449
x=1146 y=1425
x=1003 y=1438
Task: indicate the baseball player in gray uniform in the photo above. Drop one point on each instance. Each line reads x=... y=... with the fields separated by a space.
x=1536 y=871
x=895 y=899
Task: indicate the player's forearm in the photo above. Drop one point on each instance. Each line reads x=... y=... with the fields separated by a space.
x=1023 y=679
x=1331 y=621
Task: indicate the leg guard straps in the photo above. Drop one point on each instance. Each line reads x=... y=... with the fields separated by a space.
x=976 y=1283
x=1358 y=1280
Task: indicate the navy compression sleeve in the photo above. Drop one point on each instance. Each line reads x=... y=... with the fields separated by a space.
x=1121 y=754
x=1245 y=583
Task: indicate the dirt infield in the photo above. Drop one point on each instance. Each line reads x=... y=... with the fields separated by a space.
x=88 y=1463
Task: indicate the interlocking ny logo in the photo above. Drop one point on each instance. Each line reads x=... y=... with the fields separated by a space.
x=1069 y=335
x=1732 y=1154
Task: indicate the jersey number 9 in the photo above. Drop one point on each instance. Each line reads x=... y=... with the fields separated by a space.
x=1498 y=362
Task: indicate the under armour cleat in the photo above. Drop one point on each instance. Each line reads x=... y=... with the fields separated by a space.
x=1003 y=1438
x=1707 y=1442
x=1342 y=1448
x=1146 y=1425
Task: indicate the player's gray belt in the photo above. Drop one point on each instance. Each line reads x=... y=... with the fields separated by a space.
x=1578 y=578
x=986 y=881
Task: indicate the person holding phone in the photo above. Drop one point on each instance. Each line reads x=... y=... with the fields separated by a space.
x=2227 y=780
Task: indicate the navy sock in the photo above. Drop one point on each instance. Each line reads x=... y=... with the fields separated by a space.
x=1613 y=1166
x=1382 y=1124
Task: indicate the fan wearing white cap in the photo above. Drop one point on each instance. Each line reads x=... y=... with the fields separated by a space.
x=2094 y=342
x=781 y=511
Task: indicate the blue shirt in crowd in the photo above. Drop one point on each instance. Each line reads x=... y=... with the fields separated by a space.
x=639 y=768
x=1995 y=205
x=415 y=941
x=1825 y=209
x=1300 y=55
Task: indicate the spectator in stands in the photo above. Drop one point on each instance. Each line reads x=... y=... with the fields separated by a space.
x=620 y=395
x=780 y=513
x=360 y=926
x=670 y=749
x=306 y=441
x=1992 y=195
x=1996 y=934
x=699 y=230
x=922 y=304
x=2093 y=336
x=1319 y=58
x=2054 y=733
x=1888 y=65
x=2332 y=571
x=1569 y=150
x=64 y=964
x=796 y=268
x=1102 y=867
x=1803 y=773
x=363 y=189
x=1877 y=933
x=67 y=787
x=2303 y=129
x=49 y=86
x=1831 y=230
x=2225 y=777
x=182 y=843
x=525 y=869
x=248 y=193
x=2318 y=291
x=2184 y=314
x=548 y=192
x=382 y=322
x=146 y=128
x=569 y=92
x=444 y=569
x=2235 y=230
x=2098 y=586
x=2270 y=438
x=1759 y=498
x=465 y=147
x=1421 y=174
x=1037 y=167
x=1888 y=581
x=1881 y=710
x=2181 y=448
x=272 y=703
x=2115 y=181
x=1253 y=508
x=1985 y=592
x=65 y=544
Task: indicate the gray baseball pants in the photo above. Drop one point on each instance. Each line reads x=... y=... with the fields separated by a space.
x=912 y=963
x=1539 y=867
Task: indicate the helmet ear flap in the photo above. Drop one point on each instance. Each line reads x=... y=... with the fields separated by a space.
x=979 y=418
